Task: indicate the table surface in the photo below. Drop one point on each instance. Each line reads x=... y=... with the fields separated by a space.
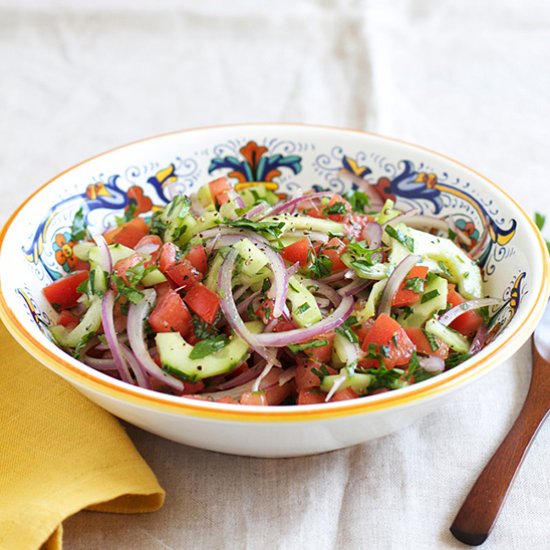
x=469 y=79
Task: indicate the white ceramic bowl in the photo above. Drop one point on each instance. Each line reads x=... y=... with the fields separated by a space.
x=35 y=246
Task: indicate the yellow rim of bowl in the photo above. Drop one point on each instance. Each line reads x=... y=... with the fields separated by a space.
x=208 y=410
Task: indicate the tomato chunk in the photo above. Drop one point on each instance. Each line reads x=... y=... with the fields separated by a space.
x=63 y=293
x=297 y=252
x=219 y=189
x=390 y=341
x=322 y=353
x=68 y=319
x=305 y=374
x=204 y=302
x=406 y=296
x=333 y=250
x=122 y=266
x=197 y=258
x=469 y=322
x=170 y=314
x=420 y=340
x=310 y=397
x=180 y=271
x=344 y=395
x=128 y=234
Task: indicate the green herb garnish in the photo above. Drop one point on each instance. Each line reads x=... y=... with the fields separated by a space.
x=416 y=284
x=336 y=208
x=399 y=236
x=358 y=200
x=295 y=348
x=345 y=330
x=207 y=347
x=429 y=296
x=272 y=229
x=302 y=308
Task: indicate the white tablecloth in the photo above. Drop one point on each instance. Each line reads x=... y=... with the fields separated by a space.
x=470 y=79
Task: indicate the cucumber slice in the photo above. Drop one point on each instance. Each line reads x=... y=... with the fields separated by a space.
x=369 y=310
x=212 y=278
x=253 y=258
x=305 y=311
x=443 y=257
x=89 y=325
x=153 y=278
x=307 y=223
x=452 y=338
x=82 y=250
x=358 y=382
x=174 y=354
x=421 y=312
x=387 y=213
x=257 y=193
x=118 y=252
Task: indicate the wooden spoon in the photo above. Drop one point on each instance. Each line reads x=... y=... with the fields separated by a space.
x=482 y=506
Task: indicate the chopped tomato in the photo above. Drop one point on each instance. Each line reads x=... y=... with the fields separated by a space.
x=122 y=266
x=162 y=289
x=120 y=316
x=68 y=319
x=330 y=210
x=310 y=397
x=63 y=293
x=204 y=302
x=406 y=296
x=190 y=388
x=219 y=189
x=197 y=258
x=419 y=339
x=180 y=271
x=283 y=325
x=469 y=322
x=272 y=396
x=297 y=252
x=322 y=353
x=265 y=310
x=333 y=250
x=344 y=395
x=305 y=376
x=390 y=342
x=170 y=314
x=254 y=398
x=128 y=234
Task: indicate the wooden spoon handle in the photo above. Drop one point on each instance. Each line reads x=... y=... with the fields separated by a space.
x=480 y=510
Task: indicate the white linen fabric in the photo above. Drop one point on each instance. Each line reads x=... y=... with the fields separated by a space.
x=469 y=79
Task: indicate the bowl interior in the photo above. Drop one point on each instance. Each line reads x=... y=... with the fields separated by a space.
x=36 y=247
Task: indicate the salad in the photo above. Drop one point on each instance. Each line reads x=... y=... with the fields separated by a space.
x=246 y=297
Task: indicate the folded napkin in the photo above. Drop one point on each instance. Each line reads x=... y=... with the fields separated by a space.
x=59 y=453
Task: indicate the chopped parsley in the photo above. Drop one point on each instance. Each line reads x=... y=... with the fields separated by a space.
x=134 y=276
x=295 y=348
x=336 y=208
x=321 y=265
x=432 y=340
x=158 y=227
x=399 y=236
x=78 y=227
x=202 y=329
x=321 y=372
x=207 y=347
x=358 y=200
x=455 y=359
x=345 y=330
x=302 y=308
x=429 y=296
x=385 y=378
x=416 y=284
x=272 y=229
x=444 y=268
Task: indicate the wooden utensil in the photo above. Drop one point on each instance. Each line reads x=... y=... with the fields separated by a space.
x=482 y=506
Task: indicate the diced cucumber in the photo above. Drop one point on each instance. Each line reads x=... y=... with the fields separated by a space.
x=204 y=196
x=443 y=257
x=118 y=252
x=341 y=346
x=452 y=338
x=305 y=311
x=369 y=309
x=174 y=354
x=207 y=221
x=229 y=210
x=387 y=213
x=153 y=278
x=212 y=278
x=100 y=280
x=256 y=193
x=307 y=223
x=253 y=258
x=358 y=382
x=89 y=325
x=421 y=312
x=82 y=250
x=375 y=272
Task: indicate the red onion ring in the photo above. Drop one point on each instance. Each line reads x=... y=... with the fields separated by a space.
x=139 y=374
x=372 y=233
x=105 y=259
x=448 y=317
x=231 y=313
x=148 y=248
x=98 y=363
x=432 y=364
x=479 y=340
x=295 y=336
x=324 y=290
x=256 y=211
x=134 y=327
x=243 y=378
x=394 y=282
x=338 y=276
x=354 y=287
x=108 y=323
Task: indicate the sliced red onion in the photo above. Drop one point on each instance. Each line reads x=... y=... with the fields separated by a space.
x=105 y=259
x=293 y=269
x=479 y=340
x=236 y=198
x=141 y=379
x=287 y=375
x=148 y=248
x=338 y=276
x=243 y=378
x=256 y=211
x=394 y=282
x=108 y=323
x=354 y=287
x=242 y=307
x=211 y=245
x=295 y=336
x=263 y=374
x=197 y=209
x=134 y=327
x=432 y=364
x=101 y=364
x=448 y=317
x=323 y=289
x=293 y=203
x=372 y=233
x=231 y=313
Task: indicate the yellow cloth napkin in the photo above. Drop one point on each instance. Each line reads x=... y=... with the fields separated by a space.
x=59 y=453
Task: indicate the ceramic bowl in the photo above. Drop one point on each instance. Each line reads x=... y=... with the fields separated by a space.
x=35 y=248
